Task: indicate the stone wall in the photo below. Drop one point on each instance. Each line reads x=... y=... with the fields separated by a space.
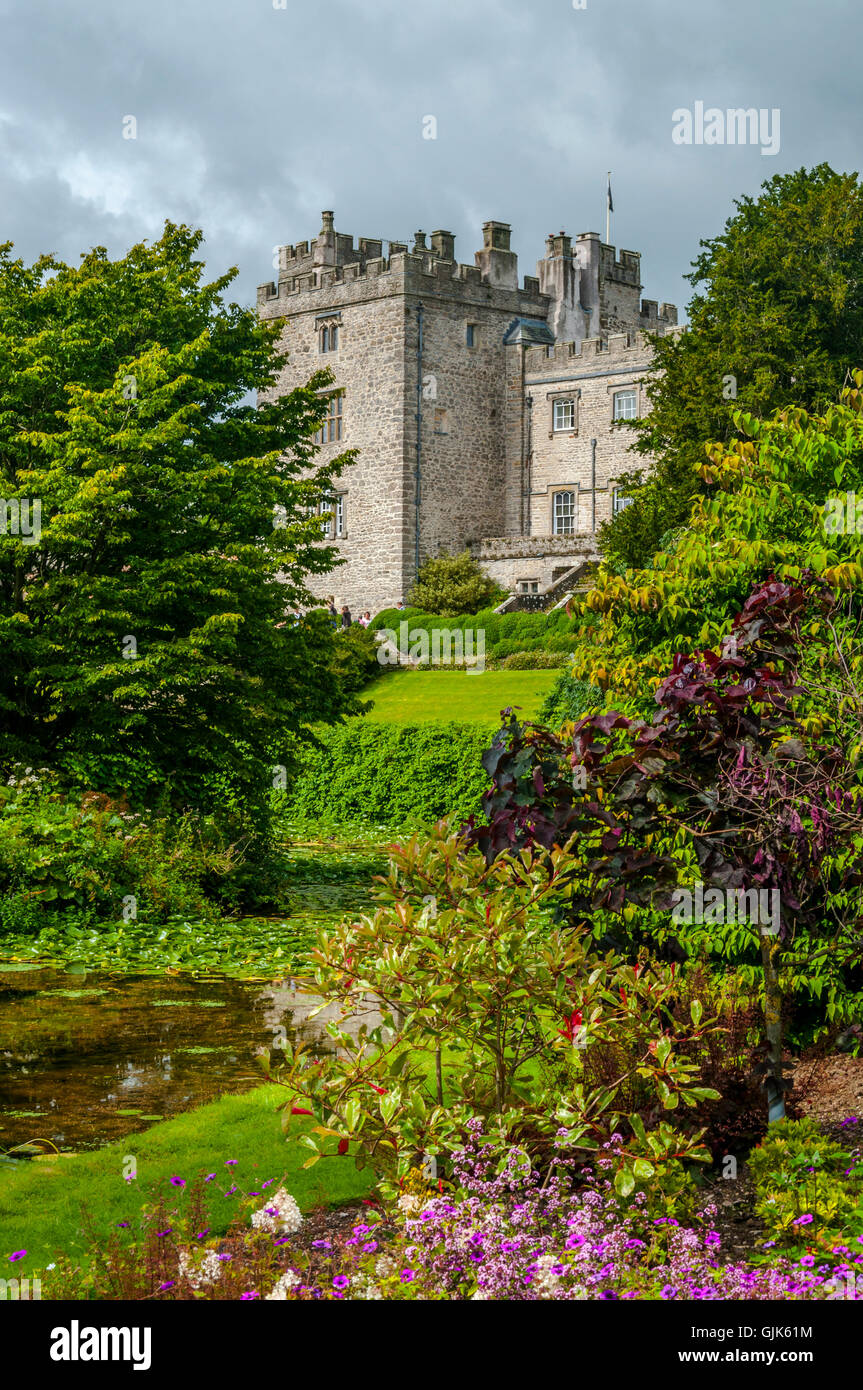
x=476 y=477
x=514 y=560
x=560 y=460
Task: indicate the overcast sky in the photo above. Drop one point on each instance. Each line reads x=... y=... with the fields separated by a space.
x=252 y=118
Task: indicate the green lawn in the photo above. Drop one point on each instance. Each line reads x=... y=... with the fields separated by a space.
x=41 y=1201
x=409 y=697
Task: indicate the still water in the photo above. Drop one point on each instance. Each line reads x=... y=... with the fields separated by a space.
x=87 y=1059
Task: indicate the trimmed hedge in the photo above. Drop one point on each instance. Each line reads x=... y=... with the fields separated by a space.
x=505 y=633
x=392 y=774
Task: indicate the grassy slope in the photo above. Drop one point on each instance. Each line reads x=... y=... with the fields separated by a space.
x=41 y=1201
x=409 y=697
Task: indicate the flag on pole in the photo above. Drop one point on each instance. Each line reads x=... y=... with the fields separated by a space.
x=610 y=201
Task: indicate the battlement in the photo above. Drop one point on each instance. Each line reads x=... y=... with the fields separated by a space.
x=591 y=354
x=655 y=316
x=626 y=270
x=334 y=259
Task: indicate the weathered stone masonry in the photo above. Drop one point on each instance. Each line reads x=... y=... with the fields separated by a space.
x=490 y=459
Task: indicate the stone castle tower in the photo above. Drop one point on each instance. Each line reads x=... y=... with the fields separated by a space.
x=473 y=401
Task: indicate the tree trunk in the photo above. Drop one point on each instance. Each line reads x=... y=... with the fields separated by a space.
x=772 y=1027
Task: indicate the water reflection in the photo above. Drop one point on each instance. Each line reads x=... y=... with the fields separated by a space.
x=85 y=1060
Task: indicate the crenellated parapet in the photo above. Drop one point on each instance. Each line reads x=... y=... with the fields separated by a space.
x=592 y=353
x=334 y=260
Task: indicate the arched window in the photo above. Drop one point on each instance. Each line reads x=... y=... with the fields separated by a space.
x=563 y=515
x=330 y=337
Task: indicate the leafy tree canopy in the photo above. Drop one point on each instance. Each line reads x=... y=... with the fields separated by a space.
x=146 y=622
x=776 y=320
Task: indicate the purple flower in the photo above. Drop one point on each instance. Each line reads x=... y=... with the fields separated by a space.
x=19 y=1255
x=321 y=1245
x=805 y=1220
x=807 y=1261
x=200 y=1234
x=209 y=1177
x=167 y=1231
x=163 y=1287
x=341 y=1281
x=230 y=1162
x=370 y=1247
x=252 y=1293
x=178 y=1182
x=408 y=1275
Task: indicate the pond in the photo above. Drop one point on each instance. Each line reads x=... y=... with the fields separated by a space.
x=87 y=1060
x=89 y=1055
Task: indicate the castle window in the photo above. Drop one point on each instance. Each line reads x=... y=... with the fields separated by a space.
x=332 y=513
x=620 y=501
x=564 y=414
x=330 y=337
x=332 y=427
x=563 y=514
x=528 y=586
x=470 y=336
x=441 y=422
x=625 y=405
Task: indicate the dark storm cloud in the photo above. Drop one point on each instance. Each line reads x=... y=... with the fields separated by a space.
x=252 y=118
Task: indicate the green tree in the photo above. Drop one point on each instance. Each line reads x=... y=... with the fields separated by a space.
x=449 y=585
x=147 y=631
x=777 y=319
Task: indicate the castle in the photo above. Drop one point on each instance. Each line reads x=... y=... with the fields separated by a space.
x=482 y=410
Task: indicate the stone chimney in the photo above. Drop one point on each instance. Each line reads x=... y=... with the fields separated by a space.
x=443 y=246
x=565 y=278
x=325 y=245
x=497 y=263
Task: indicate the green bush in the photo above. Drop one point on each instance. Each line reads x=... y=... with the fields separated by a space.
x=806 y=1183
x=85 y=855
x=534 y=661
x=505 y=633
x=569 y=699
x=387 y=774
x=452 y=584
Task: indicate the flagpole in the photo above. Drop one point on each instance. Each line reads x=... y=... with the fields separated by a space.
x=608 y=212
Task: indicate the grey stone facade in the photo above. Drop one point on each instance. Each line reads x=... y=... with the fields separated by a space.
x=457 y=356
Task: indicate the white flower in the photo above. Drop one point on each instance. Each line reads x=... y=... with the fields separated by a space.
x=385 y=1266
x=365 y=1287
x=280 y=1213
x=289 y=1280
x=408 y=1204
x=207 y=1271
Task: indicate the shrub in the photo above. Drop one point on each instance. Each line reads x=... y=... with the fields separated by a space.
x=453 y=584
x=461 y=958
x=569 y=699
x=387 y=774
x=534 y=661
x=355 y=660
x=806 y=1183
x=62 y=853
